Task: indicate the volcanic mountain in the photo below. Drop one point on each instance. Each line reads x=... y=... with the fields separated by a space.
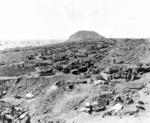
x=85 y=35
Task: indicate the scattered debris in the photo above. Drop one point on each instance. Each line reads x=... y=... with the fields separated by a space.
x=105 y=76
x=113 y=110
x=140 y=107
x=118 y=99
x=18 y=96
x=141 y=102
x=29 y=95
x=64 y=76
x=116 y=107
x=70 y=86
x=13 y=115
x=97 y=82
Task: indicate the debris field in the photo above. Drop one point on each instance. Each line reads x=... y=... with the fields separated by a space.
x=87 y=79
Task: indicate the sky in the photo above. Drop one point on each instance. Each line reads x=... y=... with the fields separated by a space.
x=58 y=19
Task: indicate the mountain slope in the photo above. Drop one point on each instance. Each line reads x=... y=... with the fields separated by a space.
x=85 y=35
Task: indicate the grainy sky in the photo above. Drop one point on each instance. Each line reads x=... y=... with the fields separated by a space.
x=58 y=19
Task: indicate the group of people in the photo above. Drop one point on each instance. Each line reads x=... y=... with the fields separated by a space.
x=12 y=115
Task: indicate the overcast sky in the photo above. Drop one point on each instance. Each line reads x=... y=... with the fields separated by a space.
x=58 y=19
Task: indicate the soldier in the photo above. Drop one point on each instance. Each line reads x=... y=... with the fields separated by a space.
x=28 y=120
x=0 y=114
x=89 y=108
x=1 y=95
x=13 y=110
x=114 y=61
x=126 y=75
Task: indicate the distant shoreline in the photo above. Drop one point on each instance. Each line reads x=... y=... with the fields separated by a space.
x=6 y=45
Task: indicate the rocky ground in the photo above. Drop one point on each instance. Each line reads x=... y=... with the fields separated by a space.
x=88 y=81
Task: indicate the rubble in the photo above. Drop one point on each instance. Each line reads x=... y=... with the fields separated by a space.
x=70 y=86
x=29 y=95
x=116 y=107
x=113 y=110
x=97 y=107
x=64 y=76
x=133 y=112
x=92 y=107
x=97 y=82
x=18 y=96
x=141 y=102
x=12 y=115
x=140 y=107
x=104 y=76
